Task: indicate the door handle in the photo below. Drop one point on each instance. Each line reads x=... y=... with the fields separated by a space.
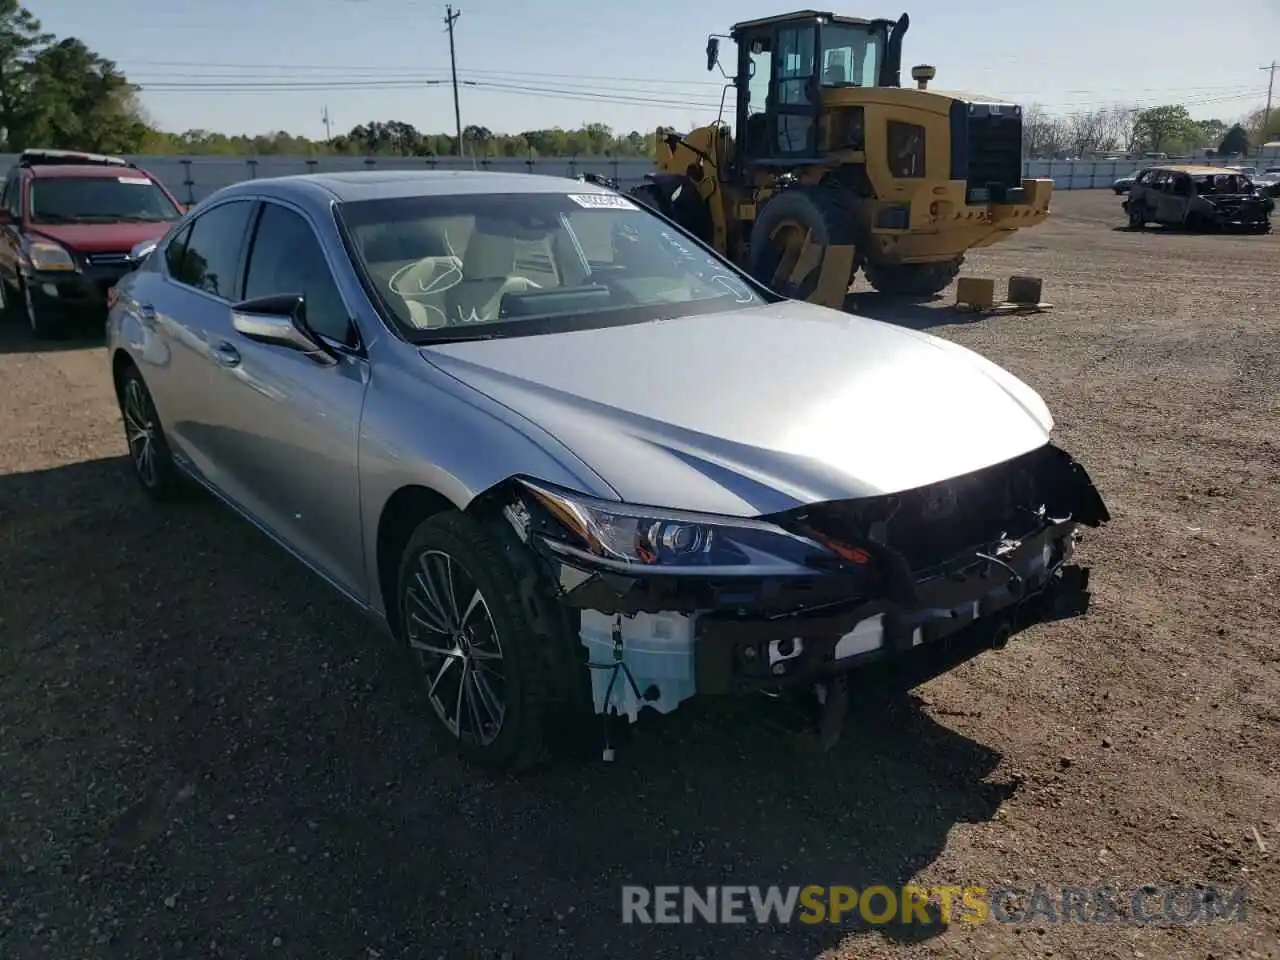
x=226 y=355
x=146 y=311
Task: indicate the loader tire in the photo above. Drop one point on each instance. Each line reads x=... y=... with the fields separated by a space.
x=912 y=279
x=778 y=235
x=650 y=196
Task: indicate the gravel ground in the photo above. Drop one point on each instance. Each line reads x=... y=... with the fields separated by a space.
x=203 y=754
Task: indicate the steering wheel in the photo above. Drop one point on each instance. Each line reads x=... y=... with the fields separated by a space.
x=426 y=278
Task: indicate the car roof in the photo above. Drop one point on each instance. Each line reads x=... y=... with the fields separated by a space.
x=397 y=184
x=56 y=171
x=1192 y=170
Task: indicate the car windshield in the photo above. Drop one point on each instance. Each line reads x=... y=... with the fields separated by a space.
x=483 y=265
x=99 y=200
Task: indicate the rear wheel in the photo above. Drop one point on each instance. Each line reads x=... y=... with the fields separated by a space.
x=913 y=279
x=824 y=214
x=148 y=449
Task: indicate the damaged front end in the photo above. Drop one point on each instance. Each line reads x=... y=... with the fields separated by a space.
x=1238 y=212
x=670 y=605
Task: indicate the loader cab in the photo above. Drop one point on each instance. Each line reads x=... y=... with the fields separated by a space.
x=785 y=63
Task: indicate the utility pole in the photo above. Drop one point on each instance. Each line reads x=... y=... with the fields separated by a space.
x=1266 y=114
x=450 y=18
x=324 y=118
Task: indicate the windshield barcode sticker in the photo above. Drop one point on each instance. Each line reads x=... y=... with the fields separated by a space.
x=602 y=201
x=140 y=181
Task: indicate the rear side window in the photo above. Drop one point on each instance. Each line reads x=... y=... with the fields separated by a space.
x=211 y=257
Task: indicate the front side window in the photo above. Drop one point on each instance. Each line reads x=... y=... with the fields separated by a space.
x=851 y=55
x=173 y=253
x=487 y=264
x=212 y=254
x=122 y=199
x=286 y=258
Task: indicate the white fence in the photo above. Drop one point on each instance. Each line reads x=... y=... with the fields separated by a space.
x=191 y=179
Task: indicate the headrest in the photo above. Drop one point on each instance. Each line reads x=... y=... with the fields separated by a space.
x=489 y=257
x=406 y=240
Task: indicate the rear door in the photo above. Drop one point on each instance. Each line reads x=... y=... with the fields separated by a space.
x=1172 y=208
x=179 y=306
x=289 y=426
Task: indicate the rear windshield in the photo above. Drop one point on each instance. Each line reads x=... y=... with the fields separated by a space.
x=486 y=264
x=129 y=199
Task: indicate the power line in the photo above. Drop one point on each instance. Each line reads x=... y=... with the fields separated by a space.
x=656 y=98
x=391 y=73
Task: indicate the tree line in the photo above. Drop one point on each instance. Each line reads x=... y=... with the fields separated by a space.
x=58 y=93
x=1122 y=131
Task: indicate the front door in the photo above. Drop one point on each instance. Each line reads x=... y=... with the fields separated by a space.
x=1172 y=207
x=755 y=64
x=795 y=92
x=292 y=424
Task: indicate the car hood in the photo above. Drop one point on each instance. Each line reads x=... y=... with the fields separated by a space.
x=758 y=410
x=101 y=237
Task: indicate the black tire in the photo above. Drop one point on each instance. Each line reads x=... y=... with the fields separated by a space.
x=1137 y=216
x=912 y=279
x=154 y=470
x=10 y=302
x=829 y=212
x=650 y=196
x=537 y=675
x=44 y=319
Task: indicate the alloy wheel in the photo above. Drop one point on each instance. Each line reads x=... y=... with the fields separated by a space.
x=140 y=431
x=452 y=633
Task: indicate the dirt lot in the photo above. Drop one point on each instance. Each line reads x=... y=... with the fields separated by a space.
x=202 y=754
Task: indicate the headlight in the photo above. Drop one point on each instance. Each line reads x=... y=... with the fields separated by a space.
x=44 y=255
x=652 y=540
x=905 y=146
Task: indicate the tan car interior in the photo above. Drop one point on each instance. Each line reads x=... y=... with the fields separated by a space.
x=417 y=266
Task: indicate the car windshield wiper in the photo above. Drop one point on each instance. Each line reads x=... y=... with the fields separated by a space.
x=429 y=340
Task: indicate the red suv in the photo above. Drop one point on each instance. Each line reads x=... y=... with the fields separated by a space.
x=69 y=222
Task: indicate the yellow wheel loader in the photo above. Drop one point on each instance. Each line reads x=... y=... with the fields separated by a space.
x=836 y=167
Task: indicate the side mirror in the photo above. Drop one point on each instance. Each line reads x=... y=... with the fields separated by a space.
x=713 y=52
x=140 y=252
x=280 y=320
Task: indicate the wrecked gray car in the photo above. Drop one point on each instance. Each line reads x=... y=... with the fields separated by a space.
x=1199 y=198
x=573 y=460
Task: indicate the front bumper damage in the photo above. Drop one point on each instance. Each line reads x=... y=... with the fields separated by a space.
x=657 y=640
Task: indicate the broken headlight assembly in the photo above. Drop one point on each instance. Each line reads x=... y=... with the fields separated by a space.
x=643 y=540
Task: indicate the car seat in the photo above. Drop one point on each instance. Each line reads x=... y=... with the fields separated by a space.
x=488 y=268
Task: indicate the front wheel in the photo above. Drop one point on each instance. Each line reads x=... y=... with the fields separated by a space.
x=912 y=279
x=493 y=681
x=1137 y=216
x=42 y=317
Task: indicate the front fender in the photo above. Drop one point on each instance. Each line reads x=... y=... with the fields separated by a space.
x=422 y=427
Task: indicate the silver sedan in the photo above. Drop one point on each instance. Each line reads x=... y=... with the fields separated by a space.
x=574 y=461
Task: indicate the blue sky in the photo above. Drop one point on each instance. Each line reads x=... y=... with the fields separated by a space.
x=258 y=65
